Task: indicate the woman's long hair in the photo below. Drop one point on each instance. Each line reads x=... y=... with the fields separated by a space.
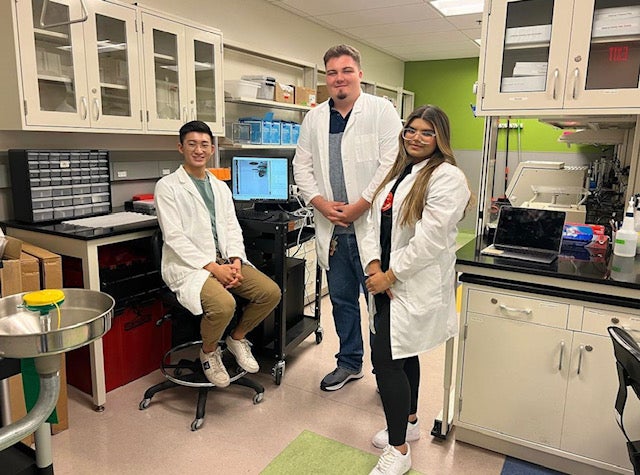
x=414 y=204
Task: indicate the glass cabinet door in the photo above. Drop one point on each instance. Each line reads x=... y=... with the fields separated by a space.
x=52 y=64
x=165 y=76
x=604 y=61
x=113 y=68
x=205 y=60
x=526 y=54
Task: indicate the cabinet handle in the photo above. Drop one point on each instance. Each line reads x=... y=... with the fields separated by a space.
x=85 y=107
x=576 y=76
x=561 y=355
x=526 y=311
x=96 y=108
x=556 y=74
x=185 y=117
x=580 y=351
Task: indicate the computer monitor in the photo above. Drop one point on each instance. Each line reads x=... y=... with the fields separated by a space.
x=260 y=179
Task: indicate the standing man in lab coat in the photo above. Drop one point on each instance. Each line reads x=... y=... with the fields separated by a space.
x=203 y=255
x=346 y=147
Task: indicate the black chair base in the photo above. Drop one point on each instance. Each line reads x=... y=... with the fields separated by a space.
x=188 y=372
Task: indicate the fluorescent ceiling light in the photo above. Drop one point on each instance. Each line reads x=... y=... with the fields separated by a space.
x=458 y=7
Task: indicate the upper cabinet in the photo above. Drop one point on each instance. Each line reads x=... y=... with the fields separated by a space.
x=183 y=71
x=77 y=68
x=548 y=56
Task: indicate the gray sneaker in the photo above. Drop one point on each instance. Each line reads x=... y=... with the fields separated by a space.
x=338 y=378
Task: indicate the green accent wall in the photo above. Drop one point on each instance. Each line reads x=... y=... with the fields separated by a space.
x=449 y=85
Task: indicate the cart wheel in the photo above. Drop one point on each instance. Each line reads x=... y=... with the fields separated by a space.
x=196 y=424
x=278 y=372
x=319 y=335
x=257 y=398
x=144 y=403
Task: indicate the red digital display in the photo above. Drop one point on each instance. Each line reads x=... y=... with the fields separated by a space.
x=618 y=54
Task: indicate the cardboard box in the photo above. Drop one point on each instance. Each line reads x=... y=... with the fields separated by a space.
x=29 y=272
x=305 y=96
x=322 y=93
x=50 y=266
x=284 y=93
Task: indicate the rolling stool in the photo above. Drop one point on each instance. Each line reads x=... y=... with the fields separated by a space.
x=188 y=370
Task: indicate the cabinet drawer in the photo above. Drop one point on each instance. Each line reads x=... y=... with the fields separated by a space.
x=596 y=320
x=532 y=310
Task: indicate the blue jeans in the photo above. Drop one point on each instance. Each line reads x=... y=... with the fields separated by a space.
x=345 y=278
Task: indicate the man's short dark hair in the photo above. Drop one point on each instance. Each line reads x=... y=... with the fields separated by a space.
x=195 y=126
x=342 y=50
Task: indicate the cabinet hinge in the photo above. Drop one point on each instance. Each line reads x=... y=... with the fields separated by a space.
x=466 y=328
x=135 y=25
x=25 y=101
x=482 y=90
x=147 y=116
x=460 y=405
x=223 y=122
x=141 y=116
x=142 y=26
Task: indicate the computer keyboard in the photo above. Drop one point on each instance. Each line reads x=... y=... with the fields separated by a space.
x=250 y=213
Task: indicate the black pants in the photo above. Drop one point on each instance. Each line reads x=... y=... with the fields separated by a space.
x=398 y=380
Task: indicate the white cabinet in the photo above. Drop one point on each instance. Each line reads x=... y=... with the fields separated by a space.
x=183 y=72
x=543 y=56
x=539 y=372
x=77 y=75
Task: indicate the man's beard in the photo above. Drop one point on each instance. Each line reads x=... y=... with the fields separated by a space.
x=341 y=95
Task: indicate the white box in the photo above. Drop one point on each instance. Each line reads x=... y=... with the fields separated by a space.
x=530 y=68
x=524 y=84
x=528 y=34
x=617 y=13
x=603 y=27
x=241 y=88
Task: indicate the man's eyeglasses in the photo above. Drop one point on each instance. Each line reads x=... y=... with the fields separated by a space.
x=409 y=133
x=193 y=145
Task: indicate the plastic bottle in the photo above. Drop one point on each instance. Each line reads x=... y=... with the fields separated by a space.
x=626 y=237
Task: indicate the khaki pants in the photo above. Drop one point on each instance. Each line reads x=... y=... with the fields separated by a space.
x=219 y=305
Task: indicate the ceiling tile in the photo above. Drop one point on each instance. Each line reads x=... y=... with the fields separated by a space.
x=378 y=16
x=327 y=7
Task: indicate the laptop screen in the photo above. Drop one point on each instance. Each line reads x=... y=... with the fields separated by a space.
x=529 y=228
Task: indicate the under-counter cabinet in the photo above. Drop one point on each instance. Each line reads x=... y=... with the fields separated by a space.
x=183 y=71
x=69 y=74
x=537 y=379
x=543 y=56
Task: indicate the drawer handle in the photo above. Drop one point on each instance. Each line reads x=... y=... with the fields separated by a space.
x=526 y=311
x=561 y=355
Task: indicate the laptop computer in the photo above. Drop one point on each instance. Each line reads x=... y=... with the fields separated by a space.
x=527 y=234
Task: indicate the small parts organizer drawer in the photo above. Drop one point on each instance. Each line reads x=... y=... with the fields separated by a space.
x=596 y=320
x=526 y=309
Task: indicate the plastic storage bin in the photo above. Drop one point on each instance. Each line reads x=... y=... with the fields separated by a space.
x=241 y=88
x=267 y=86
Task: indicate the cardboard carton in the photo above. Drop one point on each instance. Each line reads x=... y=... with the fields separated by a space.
x=305 y=96
x=284 y=93
x=50 y=266
x=322 y=93
x=29 y=272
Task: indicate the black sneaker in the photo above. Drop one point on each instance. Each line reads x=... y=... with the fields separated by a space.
x=338 y=378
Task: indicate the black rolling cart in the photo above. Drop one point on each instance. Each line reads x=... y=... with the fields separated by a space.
x=266 y=242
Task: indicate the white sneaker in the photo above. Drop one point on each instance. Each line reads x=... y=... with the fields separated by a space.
x=381 y=439
x=241 y=349
x=214 y=369
x=392 y=462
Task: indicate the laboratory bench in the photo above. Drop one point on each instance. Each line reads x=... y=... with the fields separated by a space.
x=536 y=374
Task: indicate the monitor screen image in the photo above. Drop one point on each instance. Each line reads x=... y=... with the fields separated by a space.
x=260 y=179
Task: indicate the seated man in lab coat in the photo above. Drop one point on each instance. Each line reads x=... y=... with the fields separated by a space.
x=203 y=255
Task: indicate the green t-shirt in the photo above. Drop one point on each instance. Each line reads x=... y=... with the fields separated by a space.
x=204 y=188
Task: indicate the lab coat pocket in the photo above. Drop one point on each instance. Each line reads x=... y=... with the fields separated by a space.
x=424 y=290
x=366 y=148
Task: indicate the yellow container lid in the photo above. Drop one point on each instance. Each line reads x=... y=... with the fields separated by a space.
x=40 y=298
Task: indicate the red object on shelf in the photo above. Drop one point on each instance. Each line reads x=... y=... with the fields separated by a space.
x=143 y=196
x=133 y=347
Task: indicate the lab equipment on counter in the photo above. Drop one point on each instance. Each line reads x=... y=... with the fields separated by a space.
x=550 y=185
x=626 y=237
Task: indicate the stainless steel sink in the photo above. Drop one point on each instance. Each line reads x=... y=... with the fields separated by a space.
x=85 y=315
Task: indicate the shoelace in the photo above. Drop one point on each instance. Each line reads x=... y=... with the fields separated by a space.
x=246 y=348
x=386 y=459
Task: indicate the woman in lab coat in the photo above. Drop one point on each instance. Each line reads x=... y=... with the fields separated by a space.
x=409 y=256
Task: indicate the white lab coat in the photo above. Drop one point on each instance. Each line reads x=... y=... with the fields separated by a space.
x=369 y=148
x=423 y=310
x=186 y=230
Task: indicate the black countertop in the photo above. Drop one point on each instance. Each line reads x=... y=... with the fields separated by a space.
x=81 y=232
x=575 y=264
